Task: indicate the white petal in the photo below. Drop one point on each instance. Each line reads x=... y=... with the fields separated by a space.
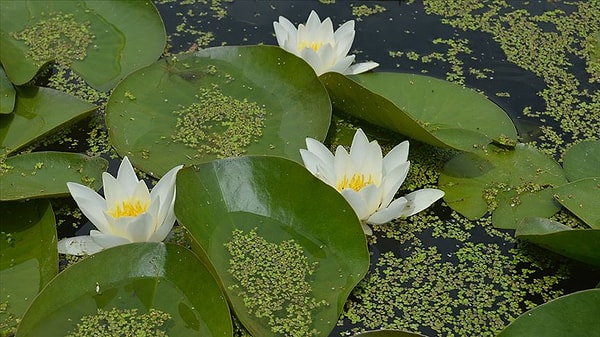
x=164 y=228
x=327 y=57
x=421 y=199
x=137 y=229
x=359 y=68
x=344 y=37
x=288 y=26
x=165 y=189
x=393 y=211
x=311 y=57
x=320 y=151
x=313 y=23
x=325 y=32
x=397 y=156
x=371 y=194
x=79 y=245
x=283 y=30
x=343 y=164
x=140 y=193
x=357 y=202
x=107 y=240
x=126 y=176
x=315 y=165
x=342 y=64
x=360 y=146
x=113 y=192
x=92 y=205
x=392 y=182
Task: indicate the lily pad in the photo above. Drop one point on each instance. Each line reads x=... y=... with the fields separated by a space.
x=582 y=198
x=582 y=160
x=287 y=248
x=220 y=102
x=38 y=112
x=511 y=184
x=28 y=255
x=578 y=244
x=7 y=94
x=45 y=174
x=133 y=280
x=427 y=109
x=97 y=39
x=575 y=314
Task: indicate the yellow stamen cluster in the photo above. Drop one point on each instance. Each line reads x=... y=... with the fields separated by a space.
x=356 y=182
x=128 y=208
x=314 y=45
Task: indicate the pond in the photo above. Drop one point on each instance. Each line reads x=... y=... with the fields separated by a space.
x=498 y=101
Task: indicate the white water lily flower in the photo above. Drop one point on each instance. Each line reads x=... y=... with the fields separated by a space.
x=367 y=180
x=319 y=46
x=130 y=213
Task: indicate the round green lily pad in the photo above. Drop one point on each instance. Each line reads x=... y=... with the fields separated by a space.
x=28 y=255
x=98 y=39
x=38 y=112
x=7 y=94
x=287 y=248
x=575 y=314
x=154 y=287
x=220 y=102
x=427 y=109
x=582 y=160
x=45 y=174
x=509 y=183
x=582 y=198
x=578 y=244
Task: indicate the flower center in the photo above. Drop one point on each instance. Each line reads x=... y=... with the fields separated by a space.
x=128 y=208
x=314 y=45
x=356 y=182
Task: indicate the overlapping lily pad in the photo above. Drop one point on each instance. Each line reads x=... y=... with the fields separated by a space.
x=45 y=174
x=582 y=160
x=582 y=198
x=578 y=244
x=511 y=184
x=98 y=39
x=287 y=248
x=220 y=102
x=7 y=94
x=430 y=110
x=38 y=112
x=133 y=280
x=575 y=314
x=28 y=256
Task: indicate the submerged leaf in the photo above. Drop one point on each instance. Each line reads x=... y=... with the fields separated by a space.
x=510 y=184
